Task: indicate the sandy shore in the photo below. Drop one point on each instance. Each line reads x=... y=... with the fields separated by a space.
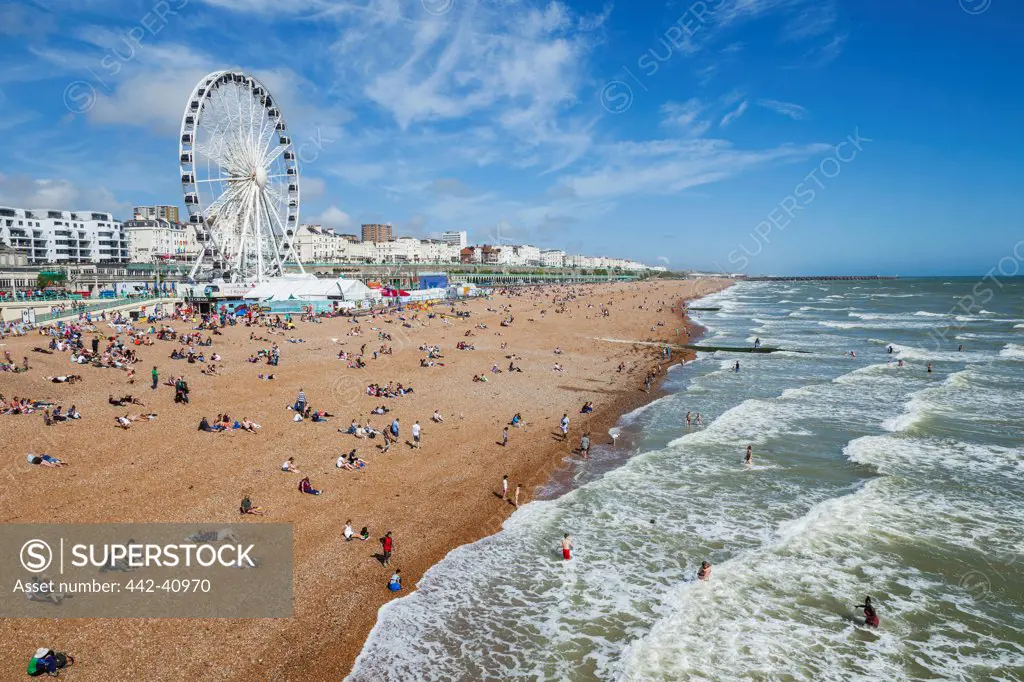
x=432 y=499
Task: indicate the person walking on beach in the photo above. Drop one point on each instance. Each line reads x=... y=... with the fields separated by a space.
x=387 y=544
x=565 y=426
x=585 y=446
x=416 y=434
x=395 y=428
x=300 y=402
x=504 y=487
x=748 y=458
x=348 y=531
x=519 y=487
x=156 y=377
x=504 y=437
x=567 y=547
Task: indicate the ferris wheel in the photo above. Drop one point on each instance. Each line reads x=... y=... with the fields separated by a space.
x=240 y=178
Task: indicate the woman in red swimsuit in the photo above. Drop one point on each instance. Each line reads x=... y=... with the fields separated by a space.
x=870 y=617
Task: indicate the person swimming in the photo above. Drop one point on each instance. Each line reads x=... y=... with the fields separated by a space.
x=870 y=616
x=704 y=572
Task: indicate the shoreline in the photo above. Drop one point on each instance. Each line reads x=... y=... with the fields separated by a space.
x=435 y=499
x=603 y=421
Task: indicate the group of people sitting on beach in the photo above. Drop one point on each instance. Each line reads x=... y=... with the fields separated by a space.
x=58 y=415
x=391 y=390
x=223 y=423
x=18 y=405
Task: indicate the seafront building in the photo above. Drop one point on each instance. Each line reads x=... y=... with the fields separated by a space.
x=168 y=213
x=377 y=232
x=157 y=238
x=49 y=236
x=459 y=239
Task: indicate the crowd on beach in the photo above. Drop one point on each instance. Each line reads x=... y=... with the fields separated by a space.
x=122 y=344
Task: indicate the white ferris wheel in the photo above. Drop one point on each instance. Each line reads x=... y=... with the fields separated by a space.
x=240 y=178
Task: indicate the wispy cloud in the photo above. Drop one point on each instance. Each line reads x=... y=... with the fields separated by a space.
x=812 y=21
x=683 y=116
x=734 y=114
x=793 y=111
x=669 y=166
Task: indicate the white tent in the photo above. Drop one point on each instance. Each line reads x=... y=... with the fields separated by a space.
x=311 y=289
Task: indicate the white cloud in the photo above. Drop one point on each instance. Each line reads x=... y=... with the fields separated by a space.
x=671 y=166
x=734 y=114
x=312 y=186
x=333 y=217
x=518 y=69
x=684 y=116
x=793 y=111
x=61 y=194
x=813 y=21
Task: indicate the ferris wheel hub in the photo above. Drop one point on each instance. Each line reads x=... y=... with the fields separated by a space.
x=261 y=177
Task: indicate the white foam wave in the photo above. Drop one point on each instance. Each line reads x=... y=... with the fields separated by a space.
x=1013 y=351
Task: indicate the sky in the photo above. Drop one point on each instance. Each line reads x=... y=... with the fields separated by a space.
x=756 y=136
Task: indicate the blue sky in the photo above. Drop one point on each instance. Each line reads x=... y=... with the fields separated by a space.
x=679 y=133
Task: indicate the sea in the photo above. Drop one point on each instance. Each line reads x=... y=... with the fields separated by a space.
x=868 y=478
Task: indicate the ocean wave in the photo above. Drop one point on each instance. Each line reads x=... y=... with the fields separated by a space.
x=923 y=354
x=747 y=609
x=1012 y=351
x=896 y=455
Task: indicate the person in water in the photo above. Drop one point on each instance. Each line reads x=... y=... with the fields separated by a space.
x=736 y=367
x=749 y=457
x=704 y=572
x=566 y=547
x=870 y=617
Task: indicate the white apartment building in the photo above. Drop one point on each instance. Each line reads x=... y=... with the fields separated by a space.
x=160 y=238
x=438 y=251
x=47 y=236
x=317 y=244
x=552 y=258
x=458 y=239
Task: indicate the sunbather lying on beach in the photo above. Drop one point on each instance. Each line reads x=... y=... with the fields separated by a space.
x=67 y=379
x=46 y=460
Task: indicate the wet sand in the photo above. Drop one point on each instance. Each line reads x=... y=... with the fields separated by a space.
x=433 y=499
